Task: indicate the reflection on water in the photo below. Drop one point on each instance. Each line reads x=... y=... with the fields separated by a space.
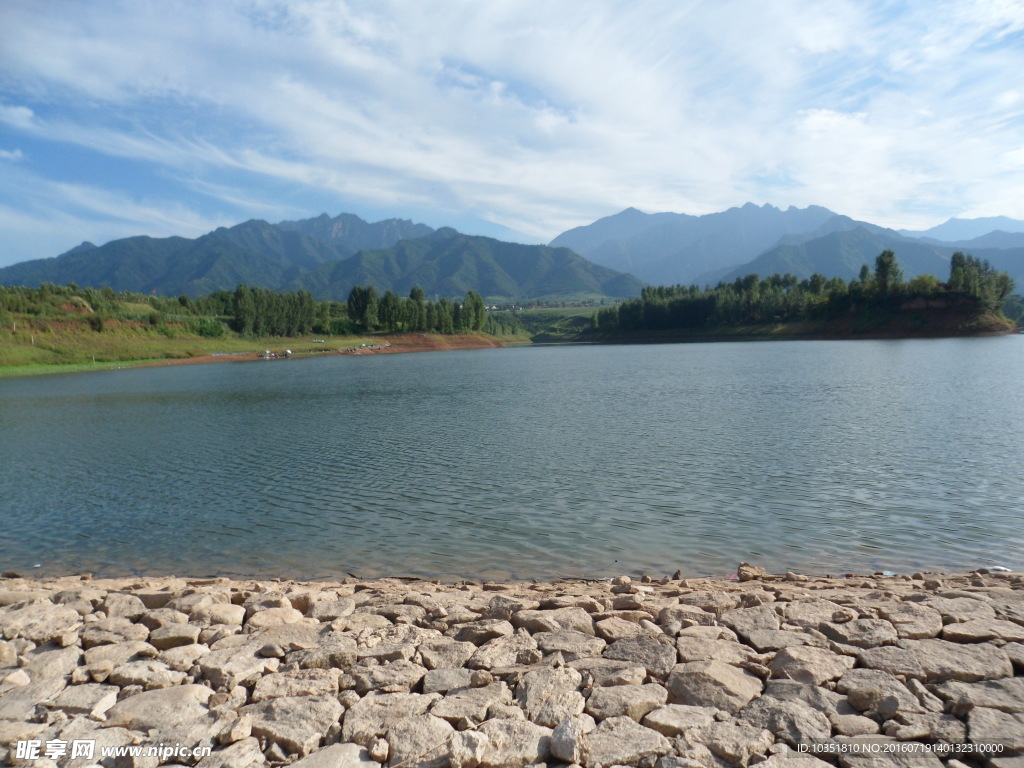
x=535 y=462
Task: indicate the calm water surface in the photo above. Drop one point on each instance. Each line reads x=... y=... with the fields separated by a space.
x=531 y=462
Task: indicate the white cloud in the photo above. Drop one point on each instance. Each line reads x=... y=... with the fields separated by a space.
x=11 y=155
x=530 y=115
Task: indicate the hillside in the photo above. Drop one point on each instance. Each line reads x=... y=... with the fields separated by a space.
x=328 y=257
x=671 y=248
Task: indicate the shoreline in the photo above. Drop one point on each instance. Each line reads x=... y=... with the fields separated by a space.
x=782 y=671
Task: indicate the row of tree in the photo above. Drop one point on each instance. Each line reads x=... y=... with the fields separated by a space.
x=390 y=312
x=785 y=298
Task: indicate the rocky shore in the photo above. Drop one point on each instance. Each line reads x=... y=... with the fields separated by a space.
x=778 y=671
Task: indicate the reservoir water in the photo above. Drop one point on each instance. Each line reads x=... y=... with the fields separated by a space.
x=579 y=461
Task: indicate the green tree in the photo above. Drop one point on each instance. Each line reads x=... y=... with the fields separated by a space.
x=390 y=312
x=362 y=306
x=888 y=275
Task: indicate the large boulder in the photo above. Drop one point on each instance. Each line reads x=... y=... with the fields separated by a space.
x=712 y=684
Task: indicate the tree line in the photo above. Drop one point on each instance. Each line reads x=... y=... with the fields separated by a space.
x=751 y=300
x=392 y=313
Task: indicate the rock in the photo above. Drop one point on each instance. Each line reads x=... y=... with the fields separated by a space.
x=271 y=617
x=550 y=695
x=743 y=621
x=957 y=609
x=479 y=632
x=942 y=660
x=613 y=629
x=926 y=726
x=336 y=756
x=603 y=672
x=676 y=617
x=468 y=749
x=790 y=759
x=860 y=633
x=330 y=610
x=712 y=684
x=240 y=665
x=303 y=682
x=633 y=701
x=373 y=716
x=895 y=661
x=1006 y=695
x=811 y=612
x=792 y=721
x=149 y=674
x=570 y=643
x=396 y=677
x=674 y=720
x=550 y=621
x=389 y=652
x=763 y=640
x=656 y=657
x=336 y=651
x=173 y=635
x=734 y=742
x=867 y=688
x=184 y=657
x=503 y=607
x=505 y=652
x=701 y=649
x=120 y=653
x=515 y=743
x=445 y=653
x=471 y=704
x=153 y=710
x=421 y=741
x=712 y=602
x=980 y=630
x=50 y=660
x=218 y=613
x=119 y=605
x=443 y=680
x=295 y=723
x=912 y=621
x=622 y=741
x=567 y=738
x=110 y=631
x=805 y=664
x=748 y=572
x=90 y=699
x=996 y=729
x=243 y=753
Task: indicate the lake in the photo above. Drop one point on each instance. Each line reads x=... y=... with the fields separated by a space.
x=538 y=462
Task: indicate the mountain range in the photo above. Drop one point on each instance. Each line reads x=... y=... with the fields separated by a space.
x=328 y=256
x=673 y=248
x=612 y=257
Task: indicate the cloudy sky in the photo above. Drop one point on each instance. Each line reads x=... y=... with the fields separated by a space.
x=516 y=119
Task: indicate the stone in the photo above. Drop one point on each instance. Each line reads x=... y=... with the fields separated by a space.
x=388 y=652
x=396 y=677
x=700 y=649
x=550 y=621
x=90 y=699
x=550 y=695
x=674 y=720
x=515 y=743
x=980 y=630
x=295 y=723
x=373 y=716
x=926 y=726
x=1006 y=695
x=993 y=727
x=112 y=630
x=716 y=603
x=791 y=759
x=421 y=741
x=330 y=610
x=570 y=643
x=271 y=617
x=336 y=651
x=239 y=665
x=445 y=653
x=656 y=657
x=743 y=621
x=173 y=635
x=503 y=607
x=806 y=664
x=675 y=617
x=891 y=659
x=184 y=657
x=468 y=749
x=117 y=604
x=622 y=741
x=218 y=613
x=860 y=633
x=633 y=701
x=942 y=660
x=613 y=629
x=912 y=621
x=120 y=653
x=479 y=632
x=19 y=703
x=152 y=710
x=149 y=674
x=336 y=756
x=792 y=721
x=471 y=704
x=161 y=617
x=243 y=753
x=867 y=688
x=505 y=652
x=303 y=682
x=734 y=742
x=748 y=572
x=957 y=609
x=603 y=672
x=811 y=612
x=50 y=660
x=443 y=680
x=763 y=640
x=712 y=684
x=567 y=738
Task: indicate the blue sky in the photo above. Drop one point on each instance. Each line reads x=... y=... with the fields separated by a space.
x=516 y=119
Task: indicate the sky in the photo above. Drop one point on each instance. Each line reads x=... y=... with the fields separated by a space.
x=516 y=119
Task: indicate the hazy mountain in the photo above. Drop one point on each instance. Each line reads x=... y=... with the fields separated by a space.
x=327 y=256
x=841 y=253
x=668 y=248
x=955 y=230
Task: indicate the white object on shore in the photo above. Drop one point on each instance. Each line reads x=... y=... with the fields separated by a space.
x=999 y=569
